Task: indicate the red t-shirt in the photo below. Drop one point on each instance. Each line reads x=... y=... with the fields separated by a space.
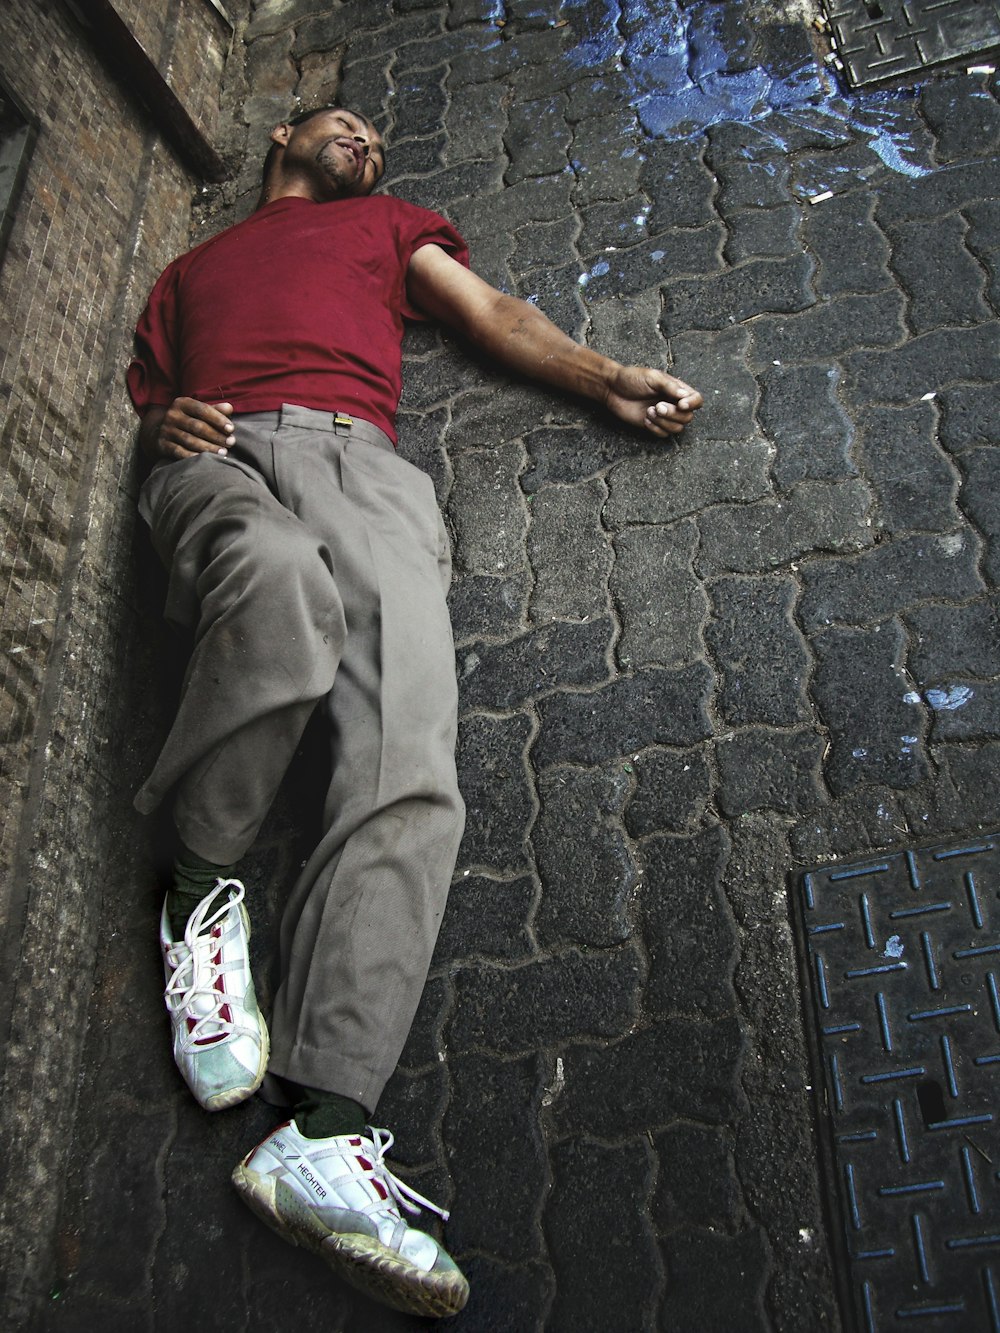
x=301 y=303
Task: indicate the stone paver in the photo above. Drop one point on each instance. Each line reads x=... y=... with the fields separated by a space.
x=661 y=602
x=569 y=551
x=915 y=485
x=761 y=655
x=686 y=669
x=851 y=250
x=811 y=433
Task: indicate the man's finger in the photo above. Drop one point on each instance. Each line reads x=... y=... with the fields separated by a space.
x=685 y=395
x=227 y=409
x=205 y=430
x=198 y=444
x=662 y=412
x=181 y=436
x=185 y=428
x=662 y=427
x=191 y=413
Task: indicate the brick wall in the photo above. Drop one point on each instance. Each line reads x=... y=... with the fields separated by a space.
x=198 y=60
x=188 y=41
x=105 y=205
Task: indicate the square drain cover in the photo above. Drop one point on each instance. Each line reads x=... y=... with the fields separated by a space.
x=880 y=40
x=903 y=960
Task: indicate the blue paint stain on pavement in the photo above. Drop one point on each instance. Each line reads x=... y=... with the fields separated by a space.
x=689 y=71
x=957 y=696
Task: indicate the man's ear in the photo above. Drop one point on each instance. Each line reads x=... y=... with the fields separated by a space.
x=281 y=134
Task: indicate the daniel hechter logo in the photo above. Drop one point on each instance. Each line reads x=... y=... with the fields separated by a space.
x=312 y=1181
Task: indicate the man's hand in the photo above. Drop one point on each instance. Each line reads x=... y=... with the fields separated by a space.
x=642 y=396
x=185 y=428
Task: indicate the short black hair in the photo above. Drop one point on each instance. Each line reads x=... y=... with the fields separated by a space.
x=300 y=118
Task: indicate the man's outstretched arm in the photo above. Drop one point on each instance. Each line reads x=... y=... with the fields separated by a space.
x=520 y=337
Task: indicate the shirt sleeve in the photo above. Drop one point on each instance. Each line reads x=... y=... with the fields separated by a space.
x=152 y=377
x=427 y=228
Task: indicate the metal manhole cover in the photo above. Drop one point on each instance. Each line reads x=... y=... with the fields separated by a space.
x=903 y=958
x=881 y=40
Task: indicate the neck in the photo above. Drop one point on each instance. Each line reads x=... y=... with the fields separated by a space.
x=273 y=190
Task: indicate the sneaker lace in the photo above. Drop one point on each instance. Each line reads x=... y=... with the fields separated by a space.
x=404 y=1195
x=196 y=972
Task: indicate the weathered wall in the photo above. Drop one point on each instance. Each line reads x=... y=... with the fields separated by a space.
x=105 y=205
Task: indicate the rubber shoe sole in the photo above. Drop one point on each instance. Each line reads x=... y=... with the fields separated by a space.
x=362 y=1261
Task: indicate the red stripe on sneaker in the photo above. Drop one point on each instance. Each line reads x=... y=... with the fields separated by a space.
x=383 y=1193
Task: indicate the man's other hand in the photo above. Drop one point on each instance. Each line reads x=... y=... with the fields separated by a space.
x=652 y=399
x=185 y=428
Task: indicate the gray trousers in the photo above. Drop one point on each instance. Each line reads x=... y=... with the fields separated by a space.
x=312 y=565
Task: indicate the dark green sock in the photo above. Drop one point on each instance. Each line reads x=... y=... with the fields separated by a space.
x=194 y=879
x=321 y=1115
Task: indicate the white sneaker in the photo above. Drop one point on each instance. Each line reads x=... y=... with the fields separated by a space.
x=220 y=1039
x=337 y=1198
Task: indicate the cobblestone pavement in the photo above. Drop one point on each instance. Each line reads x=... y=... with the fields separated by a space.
x=686 y=669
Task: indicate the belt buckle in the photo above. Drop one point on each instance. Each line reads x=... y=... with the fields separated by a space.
x=341 y=421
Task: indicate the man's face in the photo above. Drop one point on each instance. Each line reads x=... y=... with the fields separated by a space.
x=339 y=152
